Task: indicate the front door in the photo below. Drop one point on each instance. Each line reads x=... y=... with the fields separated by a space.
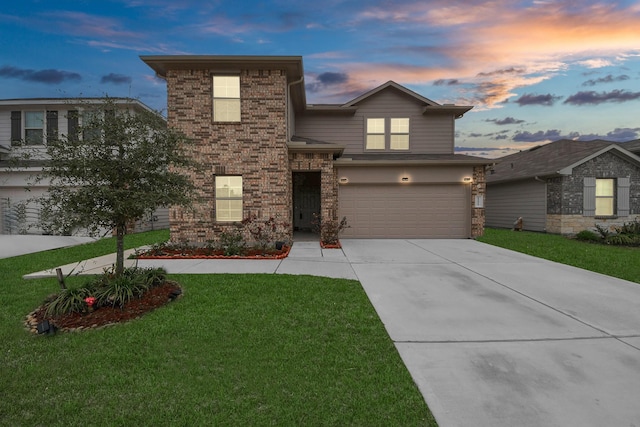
x=306 y=199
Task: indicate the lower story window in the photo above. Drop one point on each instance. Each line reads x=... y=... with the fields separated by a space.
x=228 y=198
x=605 y=189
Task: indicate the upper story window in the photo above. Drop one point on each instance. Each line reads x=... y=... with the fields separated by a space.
x=32 y=126
x=399 y=134
x=226 y=98
x=605 y=194
x=375 y=134
x=377 y=137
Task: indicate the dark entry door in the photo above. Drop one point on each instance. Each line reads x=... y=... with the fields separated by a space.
x=306 y=199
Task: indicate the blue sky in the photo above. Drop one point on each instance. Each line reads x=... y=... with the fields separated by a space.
x=535 y=71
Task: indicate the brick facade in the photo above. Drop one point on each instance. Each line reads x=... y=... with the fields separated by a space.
x=565 y=200
x=255 y=148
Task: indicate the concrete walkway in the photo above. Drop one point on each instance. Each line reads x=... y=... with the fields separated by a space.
x=490 y=336
x=13 y=245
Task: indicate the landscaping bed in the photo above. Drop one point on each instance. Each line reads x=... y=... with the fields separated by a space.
x=76 y=321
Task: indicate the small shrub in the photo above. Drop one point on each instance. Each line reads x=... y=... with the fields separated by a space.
x=588 y=236
x=330 y=229
x=265 y=233
x=68 y=301
x=107 y=290
x=604 y=231
x=630 y=228
x=232 y=242
x=621 y=240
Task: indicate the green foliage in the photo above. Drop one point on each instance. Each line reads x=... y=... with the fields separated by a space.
x=329 y=229
x=121 y=164
x=283 y=350
x=621 y=262
x=588 y=236
x=622 y=240
x=232 y=242
x=630 y=228
x=108 y=289
x=68 y=301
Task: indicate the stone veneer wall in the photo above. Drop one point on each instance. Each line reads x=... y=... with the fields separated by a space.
x=255 y=148
x=573 y=224
x=565 y=201
x=478 y=188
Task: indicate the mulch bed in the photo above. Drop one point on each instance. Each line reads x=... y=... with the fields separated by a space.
x=206 y=253
x=150 y=300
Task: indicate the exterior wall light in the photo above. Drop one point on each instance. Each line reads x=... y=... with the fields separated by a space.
x=344 y=180
x=467 y=179
x=405 y=179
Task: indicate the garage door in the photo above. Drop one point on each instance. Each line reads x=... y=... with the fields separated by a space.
x=404 y=211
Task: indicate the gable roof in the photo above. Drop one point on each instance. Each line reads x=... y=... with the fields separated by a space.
x=429 y=106
x=553 y=159
x=386 y=85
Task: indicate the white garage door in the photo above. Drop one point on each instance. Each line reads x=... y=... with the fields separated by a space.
x=404 y=211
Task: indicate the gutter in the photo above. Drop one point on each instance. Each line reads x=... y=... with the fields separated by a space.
x=295 y=82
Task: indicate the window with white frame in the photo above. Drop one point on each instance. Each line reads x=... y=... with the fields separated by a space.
x=375 y=134
x=605 y=195
x=399 y=134
x=226 y=98
x=228 y=198
x=34 y=127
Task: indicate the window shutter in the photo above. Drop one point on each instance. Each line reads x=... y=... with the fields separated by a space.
x=52 y=125
x=623 y=196
x=72 y=125
x=589 y=196
x=16 y=126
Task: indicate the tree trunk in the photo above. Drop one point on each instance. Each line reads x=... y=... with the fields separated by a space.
x=120 y=230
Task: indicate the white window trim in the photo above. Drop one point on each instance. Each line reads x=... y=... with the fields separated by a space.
x=387 y=134
x=222 y=98
x=228 y=198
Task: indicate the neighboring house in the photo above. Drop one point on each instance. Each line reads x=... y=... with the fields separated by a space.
x=384 y=160
x=566 y=186
x=34 y=121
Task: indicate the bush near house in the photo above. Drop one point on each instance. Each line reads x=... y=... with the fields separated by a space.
x=627 y=234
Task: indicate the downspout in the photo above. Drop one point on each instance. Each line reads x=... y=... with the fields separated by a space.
x=287 y=104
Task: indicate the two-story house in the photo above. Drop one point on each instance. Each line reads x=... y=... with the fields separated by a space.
x=384 y=160
x=33 y=122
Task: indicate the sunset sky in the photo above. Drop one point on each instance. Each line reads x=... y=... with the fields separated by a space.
x=535 y=71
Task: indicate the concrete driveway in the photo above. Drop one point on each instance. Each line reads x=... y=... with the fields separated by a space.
x=17 y=244
x=497 y=338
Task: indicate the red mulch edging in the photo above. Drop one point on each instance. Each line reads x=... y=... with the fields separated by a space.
x=208 y=254
x=150 y=300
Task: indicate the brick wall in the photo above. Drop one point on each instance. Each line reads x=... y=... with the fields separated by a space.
x=323 y=162
x=254 y=148
x=478 y=188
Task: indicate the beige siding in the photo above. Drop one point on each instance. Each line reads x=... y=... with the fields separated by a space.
x=429 y=134
x=506 y=202
x=405 y=211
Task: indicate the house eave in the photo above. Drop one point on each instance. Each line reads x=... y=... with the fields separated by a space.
x=301 y=147
x=348 y=162
x=163 y=63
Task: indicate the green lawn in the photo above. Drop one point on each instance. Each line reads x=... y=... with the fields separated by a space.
x=235 y=350
x=616 y=261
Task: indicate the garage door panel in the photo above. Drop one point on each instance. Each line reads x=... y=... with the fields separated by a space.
x=423 y=211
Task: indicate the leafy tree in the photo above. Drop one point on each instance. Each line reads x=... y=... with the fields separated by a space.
x=116 y=167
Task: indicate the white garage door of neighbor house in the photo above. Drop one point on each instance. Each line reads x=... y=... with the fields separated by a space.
x=405 y=211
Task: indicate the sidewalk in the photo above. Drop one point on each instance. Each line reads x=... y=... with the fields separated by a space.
x=304 y=258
